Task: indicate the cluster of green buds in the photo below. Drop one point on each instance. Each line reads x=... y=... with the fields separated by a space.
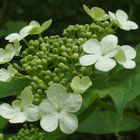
x=62 y=68
x=29 y=132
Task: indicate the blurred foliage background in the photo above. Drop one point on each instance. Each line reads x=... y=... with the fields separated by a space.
x=15 y=14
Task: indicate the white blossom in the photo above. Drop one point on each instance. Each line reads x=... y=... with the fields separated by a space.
x=100 y=53
x=7 y=54
x=58 y=109
x=125 y=57
x=7 y=74
x=21 y=110
x=80 y=85
x=121 y=19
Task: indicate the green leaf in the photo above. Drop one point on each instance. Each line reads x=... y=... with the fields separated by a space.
x=3 y=123
x=46 y=25
x=102 y=122
x=123 y=86
x=13 y=87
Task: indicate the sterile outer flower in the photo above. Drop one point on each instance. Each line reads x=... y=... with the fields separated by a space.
x=25 y=31
x=7 y=75
x=80 y=85
x=37 y=28
x=58 y=109
x=121 y=19
x=21 y=110
x=125 y=57
x=96 y=13
x=7 y=54
x=100 y=53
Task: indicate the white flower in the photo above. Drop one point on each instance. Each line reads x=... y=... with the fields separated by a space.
x=7 y=54
x=100 y=53
x=25 y=31
x=96 y=13
x=58 y=109
x=21 y=110
x=121 y=19
x=37 y=28
x=7 y=75
x=33 y=28
x=125 y=56
x=80 y=85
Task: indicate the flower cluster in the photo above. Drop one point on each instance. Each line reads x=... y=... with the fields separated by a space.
x=61 y=67
x=58 y=108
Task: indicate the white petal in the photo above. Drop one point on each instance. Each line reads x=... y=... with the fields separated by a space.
x=105 y=64
x=68 y=122
x=19 y=117
x=112 y=16
x=121 y=15
x=50 y=122
x=87 y=60
x=13 y=37
x=132 y=25
x=32 y=113
x=7 y=111
x=34 y=23
x=129 y=64
x=4 y=75
x=73 y=102
x=109 y=43
x=92 y=46
x=129 y=52
x=129 y=25
x=46 y=107
x=25 y=31
x=26 y=96
x=57 y=94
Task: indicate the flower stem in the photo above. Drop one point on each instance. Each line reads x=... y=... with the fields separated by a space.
x=118 y=136
x=24 y=40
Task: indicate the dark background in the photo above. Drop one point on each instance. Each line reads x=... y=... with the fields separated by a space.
x=15 y=14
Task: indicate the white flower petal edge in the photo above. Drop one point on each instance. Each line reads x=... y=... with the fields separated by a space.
x=121 y=19
x=60 y=114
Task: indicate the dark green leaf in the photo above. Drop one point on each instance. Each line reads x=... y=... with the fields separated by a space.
x=13 y=87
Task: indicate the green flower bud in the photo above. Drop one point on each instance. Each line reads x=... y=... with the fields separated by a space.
x=46 y=38
x=56 y=79
x=39 y=67
x=29 y=57
x=40 y=39
x=48 y=72
x=31 y=48
x=28 y=68
x=47 y=78
x=75 y=56
x=44 y=61
x=55 y=50
x=75 y=48
x=24 y=53
x=62 y=59
x=40 y=91
x=24 y=65
x=65 y=54
x=62 y=48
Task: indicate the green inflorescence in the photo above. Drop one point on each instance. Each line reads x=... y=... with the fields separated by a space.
x=55 y=59
x=29 y=132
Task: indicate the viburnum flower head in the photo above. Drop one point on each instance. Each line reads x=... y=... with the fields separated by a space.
x=100 y=53
x=121 y=19
x=58 y=109
x=21 y=110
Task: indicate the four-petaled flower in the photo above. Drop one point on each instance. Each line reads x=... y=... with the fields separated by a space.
x=100 y=53
x=21 y=110
x=7 y=75
x=58 y=108
x=80 y=85
x=121 y=19
x=125 y=57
